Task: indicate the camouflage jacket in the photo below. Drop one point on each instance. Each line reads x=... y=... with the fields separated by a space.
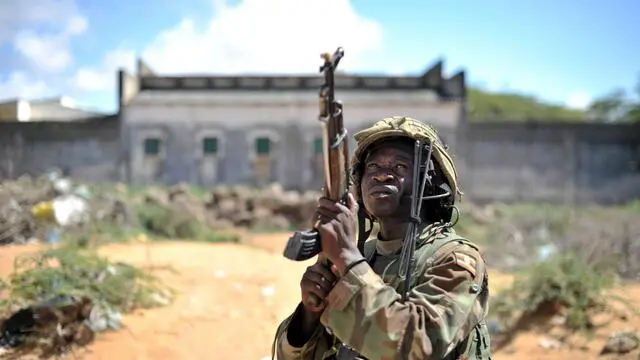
x=442 y=319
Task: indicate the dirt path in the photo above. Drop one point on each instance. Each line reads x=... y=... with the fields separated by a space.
x=231 y=297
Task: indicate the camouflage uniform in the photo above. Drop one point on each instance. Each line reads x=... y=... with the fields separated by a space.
x=444 y=316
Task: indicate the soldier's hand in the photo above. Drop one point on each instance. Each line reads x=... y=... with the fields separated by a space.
x=317 y=280
x=337 y=226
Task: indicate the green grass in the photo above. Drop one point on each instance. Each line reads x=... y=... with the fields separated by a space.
x=485 y=105
x=73 y=271
x=564 y=280
x=161 y=222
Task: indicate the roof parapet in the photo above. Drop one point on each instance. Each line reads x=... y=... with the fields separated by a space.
x=432 y=79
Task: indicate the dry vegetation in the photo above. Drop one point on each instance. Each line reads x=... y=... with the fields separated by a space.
x=565 y=279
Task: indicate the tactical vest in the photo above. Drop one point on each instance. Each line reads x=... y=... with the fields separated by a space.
x=477 y=346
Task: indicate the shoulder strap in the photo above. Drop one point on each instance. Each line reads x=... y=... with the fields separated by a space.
x=436 y=246
x=443 y=243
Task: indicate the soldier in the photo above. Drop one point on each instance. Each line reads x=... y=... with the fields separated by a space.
x=364 y=314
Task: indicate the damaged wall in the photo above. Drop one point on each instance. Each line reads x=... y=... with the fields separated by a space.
x=256 y=130
x=562 y=163
x=87 y=149
x=180 y=131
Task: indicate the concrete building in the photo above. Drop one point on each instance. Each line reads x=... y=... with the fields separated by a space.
x=255 y=130
x=56 y=109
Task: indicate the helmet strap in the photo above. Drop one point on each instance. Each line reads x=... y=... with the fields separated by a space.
x=363 y=233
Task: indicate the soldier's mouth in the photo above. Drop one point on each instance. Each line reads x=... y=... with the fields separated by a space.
x=383 y=191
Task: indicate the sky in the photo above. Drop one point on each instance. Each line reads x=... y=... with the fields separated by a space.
x=565 y=51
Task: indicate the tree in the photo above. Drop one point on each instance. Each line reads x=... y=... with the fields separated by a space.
x=617 y=106
x=633 y=114
x=610 y=107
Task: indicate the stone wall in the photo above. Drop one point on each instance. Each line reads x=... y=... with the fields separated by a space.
x=292 y=161
x=562 y=163
x=237 y=123
x=86 y=149
x=568 y=163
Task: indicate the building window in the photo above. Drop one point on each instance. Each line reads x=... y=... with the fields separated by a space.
x=210 y=146
x=318 y=146
x=263 y=146
x=152 y=146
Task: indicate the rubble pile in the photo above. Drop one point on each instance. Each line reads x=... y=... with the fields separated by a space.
x=36 y=209
x=271 y=208
x=61 y=297
x=59 y=324
x=41 y=209
x=17 y=198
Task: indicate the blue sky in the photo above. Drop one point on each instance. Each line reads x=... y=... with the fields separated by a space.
x=565 y=50
x=550 y=48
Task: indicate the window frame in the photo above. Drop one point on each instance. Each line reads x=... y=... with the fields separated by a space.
x=203 y=145
x=159 y=144
x=256 y=145
x=208 y=133
x=253 y=135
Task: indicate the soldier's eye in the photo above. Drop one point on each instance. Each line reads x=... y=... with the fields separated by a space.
x=372 y=166
x=401 y=166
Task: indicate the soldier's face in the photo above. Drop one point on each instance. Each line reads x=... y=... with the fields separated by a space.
x=387 y=179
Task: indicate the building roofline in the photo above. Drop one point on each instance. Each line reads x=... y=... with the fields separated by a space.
x=65 y=101
x=10 y=101
x=432 y=79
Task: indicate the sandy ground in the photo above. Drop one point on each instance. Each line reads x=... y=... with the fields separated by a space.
x=231 y=298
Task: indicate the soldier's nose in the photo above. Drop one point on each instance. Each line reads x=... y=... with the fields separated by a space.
x=383 y=177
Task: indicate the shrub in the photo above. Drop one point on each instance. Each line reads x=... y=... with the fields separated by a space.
x=163 y=222
x=563 y=283
x=72 y=272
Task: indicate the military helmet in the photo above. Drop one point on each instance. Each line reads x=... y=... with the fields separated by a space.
x=402 y=126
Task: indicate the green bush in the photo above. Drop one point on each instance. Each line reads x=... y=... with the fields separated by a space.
x=100 y=233
x=563 y=282
x=163 y=222
x=71 y=271
x=155 y=219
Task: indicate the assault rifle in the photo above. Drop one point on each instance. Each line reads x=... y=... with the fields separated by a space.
x=305 y=244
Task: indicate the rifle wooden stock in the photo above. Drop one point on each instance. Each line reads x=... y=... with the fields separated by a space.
x=305 y=244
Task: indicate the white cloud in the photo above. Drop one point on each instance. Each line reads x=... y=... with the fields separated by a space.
x=255 y=36
x=19 y=85
x=50 y=51
x=283 y=36
x=46 y=52
x=53 y=15
x=578 y=100
x=76 y=25
x=40 y=31
x=103 y=77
